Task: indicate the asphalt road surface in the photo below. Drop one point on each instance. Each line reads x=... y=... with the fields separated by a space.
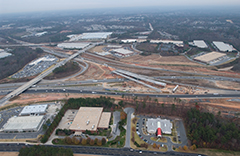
x=33 y=91
x=129 y=112
x=15 y=147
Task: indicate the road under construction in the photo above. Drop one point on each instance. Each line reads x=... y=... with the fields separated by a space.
x=136 y=77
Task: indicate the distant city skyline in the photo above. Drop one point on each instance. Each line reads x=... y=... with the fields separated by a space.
x=18 y=6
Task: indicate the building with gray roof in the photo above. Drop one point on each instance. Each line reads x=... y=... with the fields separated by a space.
x=23 y=123
x=152 y=125
x=34 y=110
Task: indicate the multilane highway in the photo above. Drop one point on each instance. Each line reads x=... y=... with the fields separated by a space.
x=34 y=91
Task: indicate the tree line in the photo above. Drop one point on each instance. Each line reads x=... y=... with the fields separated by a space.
x=83 y=141
x=45 y=150
x=106 y=102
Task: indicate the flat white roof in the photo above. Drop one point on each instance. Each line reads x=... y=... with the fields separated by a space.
x=209 y=57
x=97 y=35
x=223 y=46
x=105 y=119
x=41 y=59
x=152 y=125
x=4 y=54
x=166 y=41
x=200 y=43
x=73 y=45
x=88 y=36
x=34 y=109
x=133 y=40
x=23 y=123
x=87 y=118
x=123 y=51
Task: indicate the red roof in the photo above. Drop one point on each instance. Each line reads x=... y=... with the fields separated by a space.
x=159 y=132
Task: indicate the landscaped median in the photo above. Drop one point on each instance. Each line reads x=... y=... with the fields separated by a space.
x=162 y=139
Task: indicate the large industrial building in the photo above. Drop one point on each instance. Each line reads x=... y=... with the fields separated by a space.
x=90 y=36
x=72 y=45
x=34 y=110
x=122 y=52
x=199 y=44
x=210 y=58
x=23 y=123
x=223 y=46
x=90 y=118
x=153 y=125
x=133 y=40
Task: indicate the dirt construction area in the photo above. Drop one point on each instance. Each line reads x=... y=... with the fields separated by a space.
x=95 y=71
x=177 y=63
x=156 y=59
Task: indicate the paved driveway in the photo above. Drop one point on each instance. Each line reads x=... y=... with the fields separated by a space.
x=129 y=112
x=115 y=129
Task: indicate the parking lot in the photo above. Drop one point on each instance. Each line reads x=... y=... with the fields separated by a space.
x=142 y=133
x=6 y=114
x=67 y=119
x=35 y=67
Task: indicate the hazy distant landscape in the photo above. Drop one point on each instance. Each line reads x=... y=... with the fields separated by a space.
x=136 y=77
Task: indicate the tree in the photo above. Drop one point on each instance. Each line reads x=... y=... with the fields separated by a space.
x=91 y=142
x=173 y=107
x=45 y=127
x=95 y=140
x=104 y=141
x=144 y=105
x=75 y=140
x=68 y=140
x=123 y=115
x=88 y=140
x=84 y=141
x=48 y=122
x=134 y=129
x=193 y=147
x=154 y=145
x=185 y=147
x=99 y=142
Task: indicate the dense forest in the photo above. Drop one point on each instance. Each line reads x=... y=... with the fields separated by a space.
x=106 y=102
x=236 y=67
x=68 y=69
x=205 y=130
x=45 y=150
x=20 y=57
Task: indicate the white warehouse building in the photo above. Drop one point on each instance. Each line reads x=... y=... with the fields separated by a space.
x=90 y=36
x=23 y=123
x=34 y=110
x=72 y=45
x=223 y=46
x=123 y=52
x=199 y=44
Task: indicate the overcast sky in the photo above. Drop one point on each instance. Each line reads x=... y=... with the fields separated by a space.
x=14 y=6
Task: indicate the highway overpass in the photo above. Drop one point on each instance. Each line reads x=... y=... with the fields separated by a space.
x=27 y=85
